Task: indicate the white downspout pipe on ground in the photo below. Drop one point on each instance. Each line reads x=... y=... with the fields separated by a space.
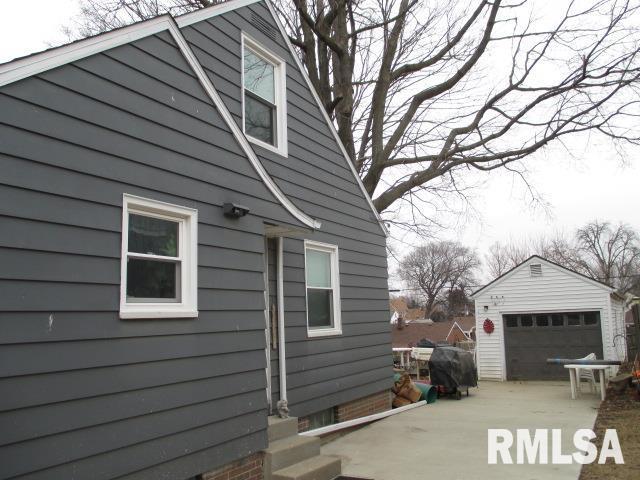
x=359 y=421
x=282 y=362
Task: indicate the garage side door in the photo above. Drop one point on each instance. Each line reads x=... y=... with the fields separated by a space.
x=532 y=338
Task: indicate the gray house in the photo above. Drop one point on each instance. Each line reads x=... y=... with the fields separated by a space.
x=183 y=243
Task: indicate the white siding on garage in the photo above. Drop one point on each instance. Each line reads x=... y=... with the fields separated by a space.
x=556 y=290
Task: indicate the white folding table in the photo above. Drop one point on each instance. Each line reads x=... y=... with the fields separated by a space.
x=420 y=355
x=574 y=377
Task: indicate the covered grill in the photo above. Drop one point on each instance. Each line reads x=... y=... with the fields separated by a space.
x=452 y=370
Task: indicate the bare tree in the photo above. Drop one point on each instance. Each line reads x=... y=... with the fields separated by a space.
x=436 y=269
x=610 y=254
x=502 y=257
x=607 y=253
x=407 y=83
x=458 y=301
x=425 y=93
x=98 y=16
x=560 y=250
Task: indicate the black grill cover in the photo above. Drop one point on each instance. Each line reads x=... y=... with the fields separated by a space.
x=452 y=367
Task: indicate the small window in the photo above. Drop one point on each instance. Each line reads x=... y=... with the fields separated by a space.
x=535 y=269
x=322 y=418
x=159 y=260
x=573 y=319
x=557 y=320
x=264 y=97
x=542 y=320
x=323 y=289
x=511 y=321
x=591 y=318
x=526 y=321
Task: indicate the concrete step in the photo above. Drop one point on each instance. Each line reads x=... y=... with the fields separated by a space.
x=320 y=467
x=287 y=451
x=281 y=427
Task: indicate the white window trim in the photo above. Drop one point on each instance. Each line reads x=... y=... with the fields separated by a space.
x=336 y=329
x=188 y=217
x=280 y=86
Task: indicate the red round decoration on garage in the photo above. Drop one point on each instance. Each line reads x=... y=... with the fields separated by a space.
x=488 y=326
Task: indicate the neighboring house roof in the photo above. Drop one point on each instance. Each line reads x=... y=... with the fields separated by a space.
x=415 y=314
x=465 y=323
x=502 y=277
x=618 y=296
x=39 y=62
x=411 y=314
x=413 y=332
x=399 y=307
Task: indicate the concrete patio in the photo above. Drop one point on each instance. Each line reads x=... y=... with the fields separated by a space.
x=448 y=439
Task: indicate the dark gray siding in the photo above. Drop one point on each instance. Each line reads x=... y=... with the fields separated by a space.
x=84 y=394
x=322 y=372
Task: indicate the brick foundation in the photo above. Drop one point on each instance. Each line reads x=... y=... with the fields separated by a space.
x=303 y=424
x=376 y=403
x=248 y=468
x=362 y=407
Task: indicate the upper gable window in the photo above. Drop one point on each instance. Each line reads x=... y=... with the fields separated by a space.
x=264 y=97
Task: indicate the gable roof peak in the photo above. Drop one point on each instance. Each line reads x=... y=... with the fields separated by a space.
x=212 y=11
x=496 y=280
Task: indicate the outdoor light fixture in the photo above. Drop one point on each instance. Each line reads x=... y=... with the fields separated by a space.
x=232 y=210
x=486 y=308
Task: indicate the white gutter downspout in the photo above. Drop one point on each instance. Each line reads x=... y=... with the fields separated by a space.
x=281 y=336
x=359 y=421
x=609 y=326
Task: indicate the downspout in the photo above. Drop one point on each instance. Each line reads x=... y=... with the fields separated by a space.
x=613 y=370
x=609 y=328
x=360 y=420
x=267 y=326
x=282 y=362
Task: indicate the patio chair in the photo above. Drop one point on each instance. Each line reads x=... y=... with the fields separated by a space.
x=420 y=355
x=587 y=374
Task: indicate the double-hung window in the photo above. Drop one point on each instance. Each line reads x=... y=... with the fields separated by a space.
x=159 y=260
x=264 y=97
x=323 y=289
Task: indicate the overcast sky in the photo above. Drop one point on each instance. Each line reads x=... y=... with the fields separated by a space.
x=596 y=185
x=593 y=184
x=30 y=26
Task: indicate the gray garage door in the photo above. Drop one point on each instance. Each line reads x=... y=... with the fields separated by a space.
x=532 y=338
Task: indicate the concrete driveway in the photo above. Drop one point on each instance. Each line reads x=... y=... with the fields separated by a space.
x=448 y=439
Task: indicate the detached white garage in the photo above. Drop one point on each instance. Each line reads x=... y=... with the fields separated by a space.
x=541 y=310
